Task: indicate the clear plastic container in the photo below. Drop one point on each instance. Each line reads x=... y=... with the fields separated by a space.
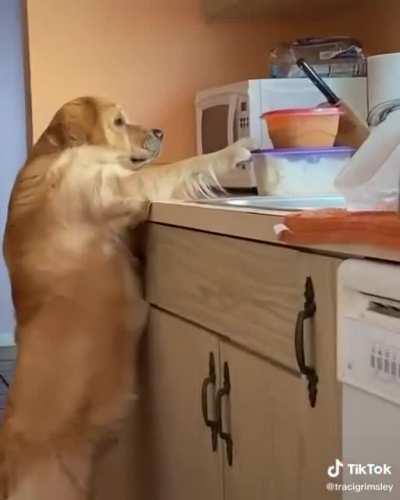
x=297 y=172
x=331 y=57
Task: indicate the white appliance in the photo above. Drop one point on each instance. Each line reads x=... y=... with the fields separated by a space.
x=226 y=114
x=369 y=367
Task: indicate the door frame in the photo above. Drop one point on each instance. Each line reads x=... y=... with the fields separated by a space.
x=27 y=74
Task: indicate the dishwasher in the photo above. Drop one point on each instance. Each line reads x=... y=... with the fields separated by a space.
x=368 y=358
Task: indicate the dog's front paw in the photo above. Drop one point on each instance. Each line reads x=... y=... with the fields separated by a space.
x=240 y=151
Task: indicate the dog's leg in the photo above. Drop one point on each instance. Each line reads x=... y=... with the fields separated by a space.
x=64 y=475
x=127 y=211
x=194 y=177
x=185 y=179
x=125 y=196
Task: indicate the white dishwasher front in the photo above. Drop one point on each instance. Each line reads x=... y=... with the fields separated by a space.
x=369 y=368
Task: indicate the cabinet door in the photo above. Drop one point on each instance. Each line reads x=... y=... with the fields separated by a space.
x=264 y=419
x=322 y=424
x=179 y=462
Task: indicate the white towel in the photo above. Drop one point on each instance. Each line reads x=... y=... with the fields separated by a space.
x=370 y=180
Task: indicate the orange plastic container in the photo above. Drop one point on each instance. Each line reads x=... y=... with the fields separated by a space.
x=303 y=127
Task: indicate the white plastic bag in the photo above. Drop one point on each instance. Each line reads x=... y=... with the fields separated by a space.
x=370 y=180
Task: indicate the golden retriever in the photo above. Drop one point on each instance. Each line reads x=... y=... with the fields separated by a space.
x=76 y=289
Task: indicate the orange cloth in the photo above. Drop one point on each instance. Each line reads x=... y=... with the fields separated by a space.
x=380 y=229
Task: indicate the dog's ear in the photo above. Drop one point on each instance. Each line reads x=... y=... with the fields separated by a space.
x=74 y=133
x=66 y=133
x=67 y=129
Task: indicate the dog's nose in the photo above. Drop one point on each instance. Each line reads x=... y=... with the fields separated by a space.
x=158 y=133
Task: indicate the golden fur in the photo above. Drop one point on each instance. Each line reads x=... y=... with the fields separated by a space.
x=76 y=289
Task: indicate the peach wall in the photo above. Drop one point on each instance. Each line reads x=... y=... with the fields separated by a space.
x=152 y=55
x=149 y=55
x=374 y=22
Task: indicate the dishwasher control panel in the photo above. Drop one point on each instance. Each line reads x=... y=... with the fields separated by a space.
x=385 y=362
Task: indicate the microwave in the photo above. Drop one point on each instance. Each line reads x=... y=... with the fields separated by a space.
x=229 y=113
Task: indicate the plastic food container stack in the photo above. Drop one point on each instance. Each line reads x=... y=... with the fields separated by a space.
x=299 y=171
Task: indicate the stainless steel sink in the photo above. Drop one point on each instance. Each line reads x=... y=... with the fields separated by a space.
x=283 y=203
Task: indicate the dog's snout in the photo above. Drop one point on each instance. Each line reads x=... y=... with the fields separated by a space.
x=153 y=140
x=158 y=133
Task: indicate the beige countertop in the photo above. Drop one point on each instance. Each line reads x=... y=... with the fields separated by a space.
x=251 y=224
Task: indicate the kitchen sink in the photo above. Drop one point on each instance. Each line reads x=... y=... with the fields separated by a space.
x=285 y=203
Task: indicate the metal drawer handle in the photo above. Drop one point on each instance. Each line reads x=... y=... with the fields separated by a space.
x=4 y=381
x=210 y=380
x=225 y=436
x=308 y=312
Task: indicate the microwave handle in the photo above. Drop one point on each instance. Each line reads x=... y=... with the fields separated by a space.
x=233 y=101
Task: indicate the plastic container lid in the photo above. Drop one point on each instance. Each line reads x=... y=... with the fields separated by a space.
x=332 y=151
x=323 y=111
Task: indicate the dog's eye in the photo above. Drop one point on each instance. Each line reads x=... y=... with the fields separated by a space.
x=119 y=122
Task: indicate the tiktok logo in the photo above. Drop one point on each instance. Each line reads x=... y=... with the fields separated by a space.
x=334 y=470
x=359 y=469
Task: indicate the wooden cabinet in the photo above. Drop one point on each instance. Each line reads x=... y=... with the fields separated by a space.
x=279 y=445
x=239 y=301
x=322 y=424
x=282 y=446
x=269 y=445
x=179 y=458
x=247 y=291
x=224 y=9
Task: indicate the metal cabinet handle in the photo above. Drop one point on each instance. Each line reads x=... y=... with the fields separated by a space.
x=308 y=312
x=4 y=381
x=225 y=436
x=210 y=380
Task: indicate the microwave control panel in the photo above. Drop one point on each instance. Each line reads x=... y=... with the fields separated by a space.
x=243 y=119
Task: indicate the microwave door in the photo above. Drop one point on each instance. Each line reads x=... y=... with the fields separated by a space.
x=218 y=124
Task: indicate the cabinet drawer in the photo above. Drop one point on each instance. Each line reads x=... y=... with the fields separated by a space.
x=249 y=292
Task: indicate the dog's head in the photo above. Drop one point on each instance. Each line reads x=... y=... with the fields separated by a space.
x=99 y=122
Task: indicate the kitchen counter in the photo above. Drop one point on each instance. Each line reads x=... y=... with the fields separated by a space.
x=226 y=298
x=252 y=224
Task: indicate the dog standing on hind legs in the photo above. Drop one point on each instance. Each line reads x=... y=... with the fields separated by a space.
x=76 y=289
